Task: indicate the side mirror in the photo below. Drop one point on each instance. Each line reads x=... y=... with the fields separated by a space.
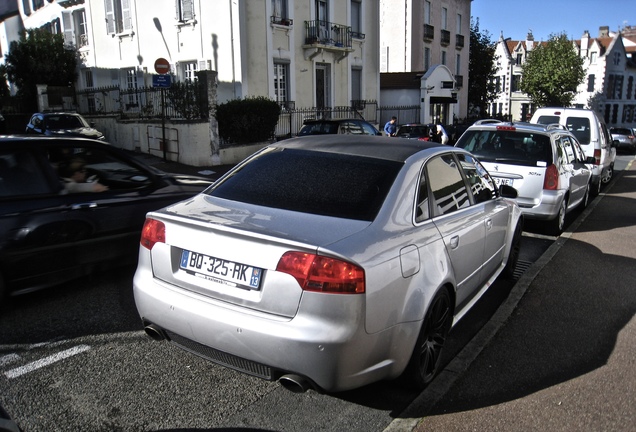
x=508 y=191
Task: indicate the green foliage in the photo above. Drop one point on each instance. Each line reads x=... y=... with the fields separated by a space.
x=481 y=69
x=249 y=120
x=189 y=99
x=40 y=57
x=552 y=72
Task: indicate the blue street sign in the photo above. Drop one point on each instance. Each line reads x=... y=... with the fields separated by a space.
x=161 y=80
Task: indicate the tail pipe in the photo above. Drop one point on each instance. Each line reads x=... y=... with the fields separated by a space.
x=154 y=332
x=295 y=383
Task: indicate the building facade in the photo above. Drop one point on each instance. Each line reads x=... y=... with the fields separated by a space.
x=431 y=37
x=609 y=87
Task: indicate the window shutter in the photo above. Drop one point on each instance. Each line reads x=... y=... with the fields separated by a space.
x=188 y=10
x=110 y=16
x=125 y=11
x=67 y=24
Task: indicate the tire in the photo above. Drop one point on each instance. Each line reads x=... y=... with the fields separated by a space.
x=586 y=197
x=596 y=187
x=558 y=223
x=426 y=357
x=607 y=176
x=509 y=271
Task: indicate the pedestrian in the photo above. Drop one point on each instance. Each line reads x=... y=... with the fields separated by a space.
x=442 y=135
x=390 y=128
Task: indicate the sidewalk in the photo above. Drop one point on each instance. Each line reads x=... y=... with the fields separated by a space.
x=560 y=353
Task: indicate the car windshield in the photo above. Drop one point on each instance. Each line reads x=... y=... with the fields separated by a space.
x=494 y=145
x=64 y=122
x=319 y=128
x=329 y=184
x=412 y=131
x=619 y=131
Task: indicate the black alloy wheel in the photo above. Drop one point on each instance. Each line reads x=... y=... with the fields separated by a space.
x=426 y=358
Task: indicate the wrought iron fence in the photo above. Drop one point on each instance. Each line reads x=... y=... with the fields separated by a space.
x=182 y=100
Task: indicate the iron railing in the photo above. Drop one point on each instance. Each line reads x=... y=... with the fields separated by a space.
x=318 y=32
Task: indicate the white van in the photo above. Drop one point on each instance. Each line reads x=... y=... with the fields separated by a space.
x=592 y=134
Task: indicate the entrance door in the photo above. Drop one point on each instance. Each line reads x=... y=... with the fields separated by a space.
x=323 y=101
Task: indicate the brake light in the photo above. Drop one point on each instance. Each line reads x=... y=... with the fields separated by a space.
x=323 y=274
x=507 y=128
x=551 y=179
x=597 y=157
x=153 y=232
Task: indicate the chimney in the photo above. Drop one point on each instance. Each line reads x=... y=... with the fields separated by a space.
x=529 y=40
x=585 y=42
x=603 y=31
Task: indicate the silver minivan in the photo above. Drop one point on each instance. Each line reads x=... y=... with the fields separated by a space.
x=544 y=163
x=591 y=132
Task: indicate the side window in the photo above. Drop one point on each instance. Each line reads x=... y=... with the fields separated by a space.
x=567 y=149
x=20 y=174
x=447 y=186
x=578 y=151
x=368 y=130
x=480 y=183
x=86 y=169
x=422 y=211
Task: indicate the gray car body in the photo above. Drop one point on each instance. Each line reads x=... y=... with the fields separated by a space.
x=338 y=342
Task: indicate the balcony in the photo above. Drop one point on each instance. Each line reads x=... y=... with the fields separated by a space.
x=327 y=34
x=459 y=41
x=429 y=32
x=445 y=35
x=286 y=22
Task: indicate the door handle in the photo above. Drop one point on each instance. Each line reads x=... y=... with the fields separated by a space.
x=488 y=224
x=83 y=206
x=454 y=242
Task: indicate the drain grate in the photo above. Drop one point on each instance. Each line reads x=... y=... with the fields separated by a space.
x=521 y=268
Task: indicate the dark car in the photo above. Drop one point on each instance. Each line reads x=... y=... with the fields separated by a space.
x=72 y=205
x=338 y=126
x=62 y=124
x=623 y=139
x=423 y=132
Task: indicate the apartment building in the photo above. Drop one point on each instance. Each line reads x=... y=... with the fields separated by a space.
x=609 y=87
x=429 y=39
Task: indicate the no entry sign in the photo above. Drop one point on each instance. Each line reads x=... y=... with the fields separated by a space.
x=162 y=66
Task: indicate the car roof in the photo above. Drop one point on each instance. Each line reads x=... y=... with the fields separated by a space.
x=11 y=140
x=308 y=121
x=521 y=126
x=360 y=145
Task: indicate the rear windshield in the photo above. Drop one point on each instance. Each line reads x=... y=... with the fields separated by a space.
x=515 y=147
x=319 y=128
x=579 y=126
x=619 y=131
x=345 y=186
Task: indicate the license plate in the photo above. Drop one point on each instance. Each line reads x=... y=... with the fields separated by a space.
x=502 y=181
x=220 y=270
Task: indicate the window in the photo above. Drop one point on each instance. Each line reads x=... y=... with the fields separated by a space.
x=630 y=84
x=444 y=58
x=356 y=84
x=281 y=82
x=422 y=211
x=519 y=59
x=590 y=82
x=617 y=58
x=118 y=18
x=516 y=83
x=427 y=12
x=188 y=70
x=75 y=30
x=37 y=4
x=26 y=5
x=20 y=174
x=131 y=86
x=459 y=24
x=88 y=83
x=481 y=184
x=356 y=18
x=458 y=64
x=427 y=58
x=593 y=57
x=448 y=190
x=444 y=18
x=185 y=10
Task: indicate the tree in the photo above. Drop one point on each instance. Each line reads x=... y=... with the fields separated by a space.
x=482 y=69
x=552 y=72
x=40 y=57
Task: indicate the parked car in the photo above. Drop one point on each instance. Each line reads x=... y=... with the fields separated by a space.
x=328 y=262
x=419 y=131
x=545 y=163
x=591 y=132
x=55 y=225
x=623 y=138
x=62 y=124
x=338 y=126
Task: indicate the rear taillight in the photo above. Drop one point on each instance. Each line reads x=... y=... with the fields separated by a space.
x=153 y=232
x=551 y=179
x=597 y=157
x=323 y=274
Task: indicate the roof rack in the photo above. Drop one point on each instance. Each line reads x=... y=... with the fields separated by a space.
x=553 y=126
x=487 y=121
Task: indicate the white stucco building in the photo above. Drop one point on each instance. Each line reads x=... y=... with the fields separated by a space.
x=430 y=38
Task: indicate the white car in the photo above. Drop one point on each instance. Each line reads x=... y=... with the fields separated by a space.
x=544 y=163
x=328 y=262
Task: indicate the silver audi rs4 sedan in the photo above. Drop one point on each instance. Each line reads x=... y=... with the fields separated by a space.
x=328 y=262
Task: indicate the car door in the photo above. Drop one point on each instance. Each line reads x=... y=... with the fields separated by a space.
x=460 y=223
x=573 y=172
x=494 y=211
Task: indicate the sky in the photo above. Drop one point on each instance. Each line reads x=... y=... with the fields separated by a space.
x=544 y=17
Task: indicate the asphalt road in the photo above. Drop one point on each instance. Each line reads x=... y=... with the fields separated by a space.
x=76 y=358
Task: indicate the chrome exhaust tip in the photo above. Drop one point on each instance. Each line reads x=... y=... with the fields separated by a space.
x=295 y=383
x=154 y=332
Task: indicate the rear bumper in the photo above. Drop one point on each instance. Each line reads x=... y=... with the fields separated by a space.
x=546 y=208
x=325 y=342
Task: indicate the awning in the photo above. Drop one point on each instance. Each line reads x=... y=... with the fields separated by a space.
x=443 y=99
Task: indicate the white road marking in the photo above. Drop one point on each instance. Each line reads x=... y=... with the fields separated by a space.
x=14 y=373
